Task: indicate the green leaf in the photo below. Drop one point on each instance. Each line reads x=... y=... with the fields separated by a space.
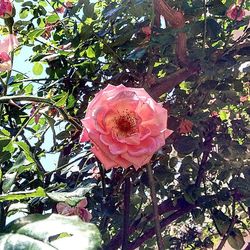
x=240 y=184
x=24 y=13
x=71 y=198
x=217 y=7
x=10 y=147
x=223 y=115
x=136 y=54
x=185 y=144
x=54 y=231
x=191 y=194
x=52 y=18
x=222 y=221
x=21 y=242
x=8 y=181
x=39 y=192
x=35 y=33
x=198 y=215
x=26 y=150
x=71 y=101
x=62 y=101
x=37 y=68
x=90 y=52
x=88 y=9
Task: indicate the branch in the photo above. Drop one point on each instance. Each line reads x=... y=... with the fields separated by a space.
x=173 y=17
x=157 y=227
x=168 y=83
x=180 y=207
x=7 y=99
x=164 y=207
x=165 y=222
x=125 y=238
x=177 y=21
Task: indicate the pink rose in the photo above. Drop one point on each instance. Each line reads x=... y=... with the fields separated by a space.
x=6 y=9
x=234 y=12
x=8 y=44
x=125 y=125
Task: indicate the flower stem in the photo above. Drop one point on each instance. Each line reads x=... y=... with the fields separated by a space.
x=127 y=187
x=155 y=208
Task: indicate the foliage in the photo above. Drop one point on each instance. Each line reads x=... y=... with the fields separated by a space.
x=33 y=232
x=202 y=173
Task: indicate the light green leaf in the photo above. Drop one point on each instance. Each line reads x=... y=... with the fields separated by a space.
x=62 y=101
x=90 y=52
x=71 y=198
x=52 y=18
x=39 y=192
x=26 y=150
x=21 y=242
x=53 y=230
x=37 y=68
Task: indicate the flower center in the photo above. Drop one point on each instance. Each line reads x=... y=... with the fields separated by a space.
x=126 y=123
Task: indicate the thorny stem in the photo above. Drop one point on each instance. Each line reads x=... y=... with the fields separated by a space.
x=155 y=208
x=125 y=238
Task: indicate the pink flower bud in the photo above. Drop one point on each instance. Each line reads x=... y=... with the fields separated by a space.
x=6 y=9
x=234 y=12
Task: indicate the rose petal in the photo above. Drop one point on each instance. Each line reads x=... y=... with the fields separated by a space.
x=115 y=147
x=138 y=161
x=103 y=154
x=147 y=146
x=106 y=161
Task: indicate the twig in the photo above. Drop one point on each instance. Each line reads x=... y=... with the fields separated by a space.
x=155 y=207
x=6 y=99
x=125 y=238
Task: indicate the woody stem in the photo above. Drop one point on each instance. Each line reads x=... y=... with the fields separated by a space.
x=155 y=208
x=125 y=238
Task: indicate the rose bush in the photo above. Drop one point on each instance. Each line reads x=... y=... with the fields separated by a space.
x=125 y=125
